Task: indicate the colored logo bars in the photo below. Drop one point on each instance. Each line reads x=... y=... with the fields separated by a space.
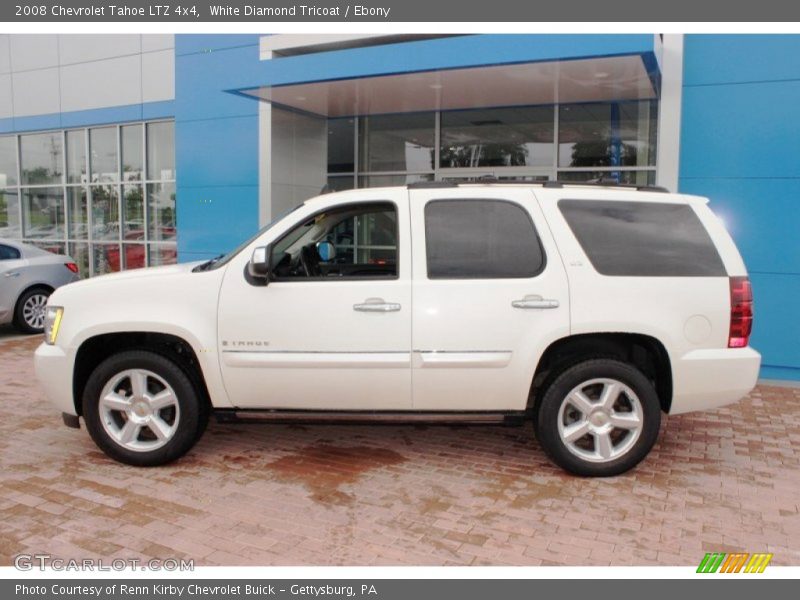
x=714 y=562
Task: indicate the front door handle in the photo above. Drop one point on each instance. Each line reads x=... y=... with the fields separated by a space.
x=535 y=302
x=376 y=305
x=13 y=274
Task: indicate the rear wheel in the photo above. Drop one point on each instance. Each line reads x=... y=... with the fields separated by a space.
x=598 y=418
x=30 y=310
x=141 y=409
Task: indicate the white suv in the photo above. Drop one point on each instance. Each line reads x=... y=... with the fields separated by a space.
x=590 y=309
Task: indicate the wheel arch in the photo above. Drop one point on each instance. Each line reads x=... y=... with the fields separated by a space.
x=93 y=350
x=645 y=352
x=33 y=286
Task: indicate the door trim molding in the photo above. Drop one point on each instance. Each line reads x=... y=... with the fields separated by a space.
x=450 y=359
x=271 y=359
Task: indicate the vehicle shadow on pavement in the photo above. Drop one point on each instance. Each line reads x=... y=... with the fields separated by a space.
x=9 y=333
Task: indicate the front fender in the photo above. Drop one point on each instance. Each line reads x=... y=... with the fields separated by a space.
x=181 y=304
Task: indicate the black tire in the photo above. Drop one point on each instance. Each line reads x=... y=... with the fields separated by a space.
x=20 y=321
x=547 y=417
x=192 y=406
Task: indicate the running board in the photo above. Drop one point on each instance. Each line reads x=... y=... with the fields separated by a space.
x=369 y=417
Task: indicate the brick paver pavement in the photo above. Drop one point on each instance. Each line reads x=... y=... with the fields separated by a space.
x=725 y=480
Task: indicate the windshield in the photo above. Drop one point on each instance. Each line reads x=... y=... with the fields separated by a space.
x=224 y=259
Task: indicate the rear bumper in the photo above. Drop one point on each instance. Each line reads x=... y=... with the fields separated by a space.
x=704 y=379
x=54 y=371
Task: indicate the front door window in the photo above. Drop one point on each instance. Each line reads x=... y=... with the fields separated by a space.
x=354 y=241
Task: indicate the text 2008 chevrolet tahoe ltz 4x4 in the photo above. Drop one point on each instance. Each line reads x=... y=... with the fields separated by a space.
x=591 y=309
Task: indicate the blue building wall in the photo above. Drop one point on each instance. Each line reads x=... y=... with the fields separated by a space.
x=86 y=118
x=740 y=146
x=216 y=143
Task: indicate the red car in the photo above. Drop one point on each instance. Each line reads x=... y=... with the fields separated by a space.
x=135 y=254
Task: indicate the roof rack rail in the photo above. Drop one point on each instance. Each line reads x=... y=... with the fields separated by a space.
x=421 y=185
x=607 y=183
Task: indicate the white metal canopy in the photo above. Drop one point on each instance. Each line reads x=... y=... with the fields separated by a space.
x=584 y=80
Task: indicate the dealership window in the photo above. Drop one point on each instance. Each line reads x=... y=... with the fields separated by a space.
x=8 y=161
x=161 y=151
x=632 y=177
x=105 y=212
x=506 y=137
x=78 y=211
x=133 y=221
x=341 y=145
x=103 y=155
x=161 y=211
x=389 y=180
x=42 y=157
x=43 y=212
x=9 y=214
x=397 y=142
x=76 y=156
x=618 y=134
x=571 y=142
x=105 y=195
x=340 y=183
x=132 y=155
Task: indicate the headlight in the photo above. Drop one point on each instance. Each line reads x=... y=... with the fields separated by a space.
x=52 y=322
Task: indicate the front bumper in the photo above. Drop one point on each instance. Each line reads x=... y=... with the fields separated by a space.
x=53 y=366
x=704 y=379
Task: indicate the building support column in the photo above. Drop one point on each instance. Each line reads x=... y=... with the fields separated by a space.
x=264 y=152
x=669 y=114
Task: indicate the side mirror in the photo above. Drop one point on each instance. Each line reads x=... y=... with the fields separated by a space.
x=258 y=267
x=326 y=250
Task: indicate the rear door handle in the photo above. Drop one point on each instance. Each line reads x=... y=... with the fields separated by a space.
x=376 y=305
x=13 y=274
x=535 y=302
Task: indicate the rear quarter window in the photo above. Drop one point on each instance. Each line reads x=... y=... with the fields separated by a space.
x=644 y=239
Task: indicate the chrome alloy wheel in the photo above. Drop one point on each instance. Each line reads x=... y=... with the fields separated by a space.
x=139 y=410
x=33 y=311
x=600 y=420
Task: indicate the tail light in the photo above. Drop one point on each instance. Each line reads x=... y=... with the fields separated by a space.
x=71 y=266
x=741 y=312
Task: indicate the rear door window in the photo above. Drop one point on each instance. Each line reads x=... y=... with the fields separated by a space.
x=643 y=239
x=481 y=239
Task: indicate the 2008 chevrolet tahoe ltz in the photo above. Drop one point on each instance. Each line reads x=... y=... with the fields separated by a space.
x=590 y=309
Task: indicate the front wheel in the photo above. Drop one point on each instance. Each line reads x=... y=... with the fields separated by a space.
x=141 y=409
x=598 y=418
x=30 y=311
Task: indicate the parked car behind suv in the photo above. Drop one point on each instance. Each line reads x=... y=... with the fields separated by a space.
x=591 y=310
x=28 y=275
